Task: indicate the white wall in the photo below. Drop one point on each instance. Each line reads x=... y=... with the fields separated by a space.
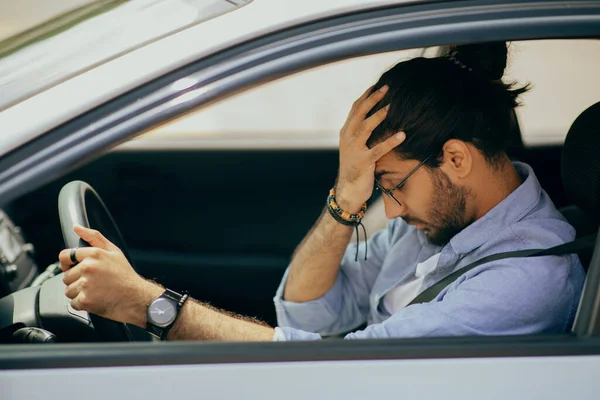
x=566 y=80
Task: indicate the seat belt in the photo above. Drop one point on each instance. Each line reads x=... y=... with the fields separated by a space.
x=431 y=292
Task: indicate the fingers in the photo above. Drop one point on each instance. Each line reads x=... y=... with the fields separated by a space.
x=367 y=104
x=93 y=237
x=80 y=254
x=74 y=288
x=88 y=258
x=362 y=106
x=66 y=262
x=72 y=275
x=65 y=259
x=75 y=303
x=386 y=146
x=82 y=285
x=80 y=301
x=369 y=125
x=362 y=97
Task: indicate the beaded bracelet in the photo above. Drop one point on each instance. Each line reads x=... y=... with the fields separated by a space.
x=348 y=219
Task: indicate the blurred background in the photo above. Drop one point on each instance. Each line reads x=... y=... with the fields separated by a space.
x=19 y=16
x=317 y=100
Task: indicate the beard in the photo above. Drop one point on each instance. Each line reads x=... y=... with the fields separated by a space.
x=447 y=215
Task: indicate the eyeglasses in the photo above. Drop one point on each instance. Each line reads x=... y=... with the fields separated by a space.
x=389 y=192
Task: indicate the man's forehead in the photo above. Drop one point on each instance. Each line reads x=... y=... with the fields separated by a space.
x=393 y=166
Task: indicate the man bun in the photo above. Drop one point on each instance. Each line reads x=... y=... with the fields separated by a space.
x=488 y=60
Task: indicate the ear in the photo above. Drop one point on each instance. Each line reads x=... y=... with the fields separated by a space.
x=457 y=159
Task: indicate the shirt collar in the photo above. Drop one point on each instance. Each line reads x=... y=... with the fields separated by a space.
x=510 y=210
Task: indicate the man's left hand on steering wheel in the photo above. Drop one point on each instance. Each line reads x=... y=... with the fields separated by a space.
x=103 y=282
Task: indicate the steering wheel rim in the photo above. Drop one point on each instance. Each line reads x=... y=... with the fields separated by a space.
x=78 y=203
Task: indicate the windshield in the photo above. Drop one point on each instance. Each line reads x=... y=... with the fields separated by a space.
x=73 y=42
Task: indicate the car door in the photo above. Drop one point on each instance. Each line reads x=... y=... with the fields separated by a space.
x=221 y=193
x=453 y=367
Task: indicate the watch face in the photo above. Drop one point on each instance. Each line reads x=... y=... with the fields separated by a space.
x=161 y=312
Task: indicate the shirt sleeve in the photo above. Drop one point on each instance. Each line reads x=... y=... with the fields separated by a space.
x=346 y=305
x=536 y=296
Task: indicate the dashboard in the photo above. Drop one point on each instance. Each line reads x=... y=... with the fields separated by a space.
x=17 y=266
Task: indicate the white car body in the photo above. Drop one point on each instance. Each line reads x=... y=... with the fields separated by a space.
x=113 y=78
x=525 y=368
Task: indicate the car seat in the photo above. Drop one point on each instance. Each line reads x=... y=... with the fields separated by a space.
x=580 y=170
x=580 y=174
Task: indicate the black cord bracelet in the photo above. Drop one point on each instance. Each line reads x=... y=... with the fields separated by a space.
x=354 y=220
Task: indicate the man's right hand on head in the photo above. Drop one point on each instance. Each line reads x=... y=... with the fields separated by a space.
x=357 y=162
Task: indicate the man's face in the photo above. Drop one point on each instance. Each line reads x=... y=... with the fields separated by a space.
x=428 y=199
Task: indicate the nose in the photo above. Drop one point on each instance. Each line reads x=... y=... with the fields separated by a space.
x=392 y=208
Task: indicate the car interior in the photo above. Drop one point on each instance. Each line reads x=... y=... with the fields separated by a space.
x=215 y=221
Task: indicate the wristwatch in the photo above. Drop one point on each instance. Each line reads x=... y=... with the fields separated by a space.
x=163 y=311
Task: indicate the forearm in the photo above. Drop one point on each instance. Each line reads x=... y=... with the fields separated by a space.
x=315 y=265
x=197 y=321
x=202 y=322
x=316 y=262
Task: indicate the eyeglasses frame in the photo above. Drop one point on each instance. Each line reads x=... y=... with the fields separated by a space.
x=389 y=192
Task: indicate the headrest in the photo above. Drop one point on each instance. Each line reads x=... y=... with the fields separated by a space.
x=580 y=168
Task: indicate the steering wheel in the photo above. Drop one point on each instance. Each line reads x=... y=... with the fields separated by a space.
x=78 y=203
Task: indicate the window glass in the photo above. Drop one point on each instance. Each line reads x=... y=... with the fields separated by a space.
x=88 y=35
x=307 y=109
x=303 y=110
x=565 y=81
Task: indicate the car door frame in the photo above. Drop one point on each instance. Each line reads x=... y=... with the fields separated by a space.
x=255 y=62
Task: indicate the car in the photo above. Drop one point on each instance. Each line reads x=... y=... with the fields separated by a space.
x=201 y=137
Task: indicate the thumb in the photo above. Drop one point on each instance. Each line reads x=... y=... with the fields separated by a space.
x=93 y=237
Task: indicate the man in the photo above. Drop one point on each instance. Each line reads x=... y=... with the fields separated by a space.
x=453 y=196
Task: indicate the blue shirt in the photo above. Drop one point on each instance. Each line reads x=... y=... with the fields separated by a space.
x=514 y=296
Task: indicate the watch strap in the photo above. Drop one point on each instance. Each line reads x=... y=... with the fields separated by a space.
x=179 y=299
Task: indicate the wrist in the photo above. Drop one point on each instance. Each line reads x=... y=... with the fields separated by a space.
x=342 y=216
x=146 y=293
x=346 y=202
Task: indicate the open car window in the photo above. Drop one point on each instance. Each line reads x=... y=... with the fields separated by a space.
x=565 y=81
x=68 y=44
x=563 y=75
x=315 y=108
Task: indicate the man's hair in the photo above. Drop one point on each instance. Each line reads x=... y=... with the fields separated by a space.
x=457 y=96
